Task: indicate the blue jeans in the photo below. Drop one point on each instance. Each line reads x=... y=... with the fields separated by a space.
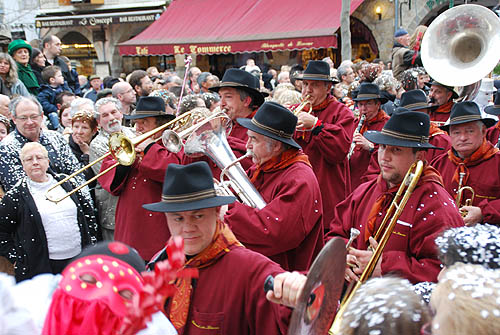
x=54 y=121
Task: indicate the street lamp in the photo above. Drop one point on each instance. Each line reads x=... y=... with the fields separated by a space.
x=378 y=11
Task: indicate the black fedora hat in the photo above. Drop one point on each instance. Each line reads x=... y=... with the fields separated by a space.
x=466 y=111
x=405 y=128
x=246 y=81
x=495 y=109
x=274 y=121
x=449 y=88
x=317 y=70
x=369 y=91
x=414 y=100
x=148 y=106
x=188 y=187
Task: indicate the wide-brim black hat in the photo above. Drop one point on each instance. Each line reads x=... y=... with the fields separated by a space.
x=187 y=188
x=464 y=112
x=148 y=106
x=405 y=128
x=243 y=80
x=274 y=121
x=449 y=88
x=317 y=70
x=495 y=109
x=369 y=91
x=414 y=100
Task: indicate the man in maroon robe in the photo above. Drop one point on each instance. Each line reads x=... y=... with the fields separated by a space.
x=325 y=135
x=441 y=100
x=289 y=229
x=410 y=251
x=473 y=161
x=228 y=296
x=493 y=133
x=141 y=182
x=240 y=97
x=368 y=101
x=415 y=100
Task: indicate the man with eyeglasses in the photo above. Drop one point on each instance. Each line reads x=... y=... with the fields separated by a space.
x=28 y=117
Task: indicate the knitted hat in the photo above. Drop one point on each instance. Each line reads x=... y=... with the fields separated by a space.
x=18 y=44
x=400 y=32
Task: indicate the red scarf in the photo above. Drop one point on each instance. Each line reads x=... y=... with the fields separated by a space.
x=429 y=174
x=280 y=162
x=221 y=243
x=484 y=152
x=381 y=116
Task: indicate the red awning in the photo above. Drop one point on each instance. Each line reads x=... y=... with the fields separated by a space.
x=228 y=26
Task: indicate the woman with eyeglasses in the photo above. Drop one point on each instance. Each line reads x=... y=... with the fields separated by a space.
x=37 y=235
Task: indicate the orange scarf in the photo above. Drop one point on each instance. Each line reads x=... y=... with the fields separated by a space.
x=435 y=130
x=381 y=116
x=429 y=174
x=221 y=243
x=446 y=108
x=280 y=162
x=485 y=151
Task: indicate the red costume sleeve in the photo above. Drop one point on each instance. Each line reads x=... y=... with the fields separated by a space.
x=155 y=161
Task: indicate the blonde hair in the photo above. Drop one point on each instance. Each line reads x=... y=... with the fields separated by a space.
x=288 y=97
x=30 y=146
x=417 y=37
x=470 y=294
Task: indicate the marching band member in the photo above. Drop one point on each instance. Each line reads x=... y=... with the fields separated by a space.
x=289 y=229
x=416 y=100
x=369 y=103
x=441 y=100
x=142 y=230
x=227 y=297
x=410 y=252
x=325 y=135
x=472 y=161
x=493 y=133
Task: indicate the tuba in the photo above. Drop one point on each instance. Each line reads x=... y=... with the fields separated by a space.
x=209 y=138
x=460 y=47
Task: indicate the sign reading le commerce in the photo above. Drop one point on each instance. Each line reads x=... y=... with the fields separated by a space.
x=114 y=18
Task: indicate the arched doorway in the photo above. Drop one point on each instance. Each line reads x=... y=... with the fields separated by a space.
x=81 y=52
x=363 y=43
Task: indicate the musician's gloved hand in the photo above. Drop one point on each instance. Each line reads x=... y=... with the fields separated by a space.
x=287 y=288
x=362 y=142
x=474 y=215
x=306 y=121
x=363 y=257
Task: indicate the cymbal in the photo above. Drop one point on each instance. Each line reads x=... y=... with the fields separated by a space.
x=319 y=299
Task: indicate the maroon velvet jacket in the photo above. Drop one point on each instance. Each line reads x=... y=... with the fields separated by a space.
x=136 y=185
x=484 y=178
x=492 y=134
x=360 y=158
x=228 y=297
x=327 y=151
x=289 y=230
x=410 y=252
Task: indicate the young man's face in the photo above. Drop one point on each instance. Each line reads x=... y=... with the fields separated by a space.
x=395 y=161
x=196 y=227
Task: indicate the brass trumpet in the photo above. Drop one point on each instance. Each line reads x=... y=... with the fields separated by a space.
x=460 y=195
x=303 y=105
x=387 y=226
x=122 y=149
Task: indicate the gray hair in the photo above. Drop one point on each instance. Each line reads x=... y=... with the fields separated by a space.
x=282 y=74
x=342 y=71
x=78 y=103
x=105 y=101
x=203 y=77
x=19 y=99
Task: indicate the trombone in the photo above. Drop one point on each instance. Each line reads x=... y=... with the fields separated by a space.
x=394 y=212
x=122 y=149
